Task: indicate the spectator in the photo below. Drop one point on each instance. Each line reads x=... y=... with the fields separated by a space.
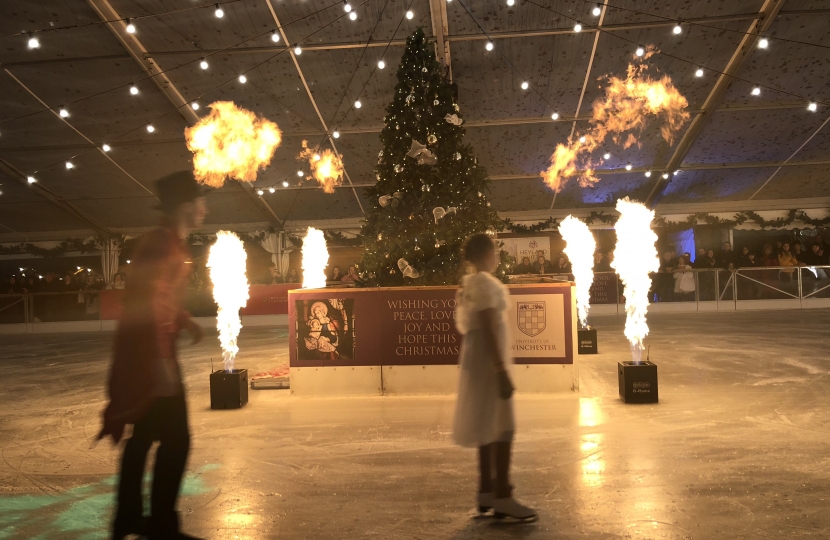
x=117 y=283
x=798 y=252
x=602 y=262
x=778 y=247
x=12 y=286
x=727 y=256
x=744 y=258
x=50 y=284
x=701 y=253
x=786 y=258
x=352 y=276
x=542 y=266
x=32 y=284
x=684 y=279
x=336 y=274
x=768 y=256
x=67 y=284
x=291 y=276
x=663 y=282
x=563 y=265
x=816 y=257
x=525 y=267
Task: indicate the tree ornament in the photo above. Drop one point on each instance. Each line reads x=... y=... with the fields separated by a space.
x=435 y=102
x=387 y=201
x=417 y=248
x=453 y=119
x=380 y=237
x=427 y=158
x=397 y=126
x=398 y=168
x=425 y=187
x=398 y=195
x=457 y=156
x=392 y=271
x=480 y=194
x=456 y=107
x=410 y=98
x=416 y=149
x=432 y=139
x=488 y=204
x=424 y=69
x=407 y=270
x=439 y=213
x=380 y=154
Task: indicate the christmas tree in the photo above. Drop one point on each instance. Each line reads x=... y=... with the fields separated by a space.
x=430 y=192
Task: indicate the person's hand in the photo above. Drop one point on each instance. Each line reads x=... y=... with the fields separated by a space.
x=195 y=331
x=505 y=384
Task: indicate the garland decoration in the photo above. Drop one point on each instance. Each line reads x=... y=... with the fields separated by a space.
x=550 y=223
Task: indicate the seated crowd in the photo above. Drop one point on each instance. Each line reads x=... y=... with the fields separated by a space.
x=29 y=281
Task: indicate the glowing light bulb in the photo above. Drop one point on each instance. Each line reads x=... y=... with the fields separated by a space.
x=275 y=37
x=271 y=190
x=300 y=174
x=259 y=192
x=219 y=12
x=511 y=2
x=105 y=147
x=554 y=116
x=64 y=113
x=194 y=106
x=676 y=172
x=628 y=167
x=31 y=179
x=582 y=139
x=34 y=43
x=336 y=134
x=203 y=64
x=130 y=27
x=489 y=46
x=756 y=91
x=409 y=14
x=134 y=90
x=150 y=128
x=285 y=184
x=648 y=174
x=243 y=79
x=70 y=165
x=677 y=28
x=812 y=107
x=381 y=64
x=297 y=50
x=665 y=176
x=525 y=85
x=607 y=155
x=577 y=28
x=596 y=11
x=763 y=43
x=640 y=51
x=347 y=7
x=353 y=15
x=358 y=104
x=699 y=73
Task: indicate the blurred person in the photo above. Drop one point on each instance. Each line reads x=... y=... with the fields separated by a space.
x=336 y=274
x=814 y=258
x=484 y=416
x=274 y=276
x=542 y=266
x=563 y=265
x=768 y=256
x=701 y=252
x=352 y=276
x=727 y=256
x=291 y=276
x=663 y=282
x=798 y=252
x=117 y=283
x=145 y=382
x=12 y=286
x=524 y=268
x=684 y=279
x=786 y=258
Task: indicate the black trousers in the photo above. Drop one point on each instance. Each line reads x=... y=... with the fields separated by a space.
x=165 y=422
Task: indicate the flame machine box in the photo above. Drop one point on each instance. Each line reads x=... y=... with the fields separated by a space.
x=229 y=389
x=587 y=338
x=638 y=382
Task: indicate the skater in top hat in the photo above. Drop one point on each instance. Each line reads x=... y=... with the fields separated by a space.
x=484 y=411
x=145 y=382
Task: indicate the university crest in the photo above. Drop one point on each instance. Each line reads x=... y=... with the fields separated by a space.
x=531 y=317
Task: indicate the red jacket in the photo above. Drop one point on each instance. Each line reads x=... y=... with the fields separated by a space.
x=146 y=335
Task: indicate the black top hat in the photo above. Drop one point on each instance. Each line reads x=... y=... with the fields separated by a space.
x=177 y=188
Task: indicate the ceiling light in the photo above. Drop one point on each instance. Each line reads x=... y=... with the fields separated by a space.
x=336 y=134
x=640 y=51
x=511 y=2
x=648 y=174
x=812 y=107
x=34 y=43
x=70 y=165
x=260 y=192
x=763 y=44
x=297 y=50
x=271 y=190
x=243 y=79
x=203 y=64
x=596 y=11
x=607 y=155
x=555 y=116
x=300 y=174
x=628 y=167
x=409 y=14
x=134 y=90
x=219 y=13
x=699 y=73
x=31 y=179
x=347 y=7
x=577 y=28
x=195 y=105
x=106 y=148
x=756 y=91
x=381 y=64
x=525 y=85
x=275 y=37
x=676 y=172
x=130 y=27
x=677 y=28
x=582 y=139
x=358 y=104
x=285 y=184
x=150 y=128
x=64 y=113
x=353 y=15
x=665 y=176
x=489 y=46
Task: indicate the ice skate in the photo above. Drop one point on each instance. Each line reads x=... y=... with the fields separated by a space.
x=485 y=502
x=510 y=508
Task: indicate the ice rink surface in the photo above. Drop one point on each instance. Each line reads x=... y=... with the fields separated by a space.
x=736 y=448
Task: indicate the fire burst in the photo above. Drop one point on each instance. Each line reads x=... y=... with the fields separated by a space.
x=624 y=109
x=580 y=250
x=634 y=258
x=231 y=142
x=326 y=166
x=315 y=259
x=226 y=261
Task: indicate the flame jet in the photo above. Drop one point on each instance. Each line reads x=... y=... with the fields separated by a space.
x=580 y=247
x=315 y=259
x=227 y=262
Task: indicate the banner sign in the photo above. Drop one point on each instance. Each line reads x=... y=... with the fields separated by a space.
x=526 y=247
x=416 y=326
x=604 y=289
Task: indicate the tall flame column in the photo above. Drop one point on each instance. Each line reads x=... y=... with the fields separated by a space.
x=227 y=261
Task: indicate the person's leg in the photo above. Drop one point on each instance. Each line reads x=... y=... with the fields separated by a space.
x=171 y=459
x=502 y=453
x=485 y=468
x=128 y=514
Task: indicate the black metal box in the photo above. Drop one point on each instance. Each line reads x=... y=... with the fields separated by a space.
x=587 y=338
x=228 y=389
x=638 y=382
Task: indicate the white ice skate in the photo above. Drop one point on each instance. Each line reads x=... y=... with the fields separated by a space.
x=510 y=508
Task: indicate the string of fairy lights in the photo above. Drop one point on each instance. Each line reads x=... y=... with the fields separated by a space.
x=34 y=37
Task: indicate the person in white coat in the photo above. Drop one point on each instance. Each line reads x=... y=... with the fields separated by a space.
x=484 y=411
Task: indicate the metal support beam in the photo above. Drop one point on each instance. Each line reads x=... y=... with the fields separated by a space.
x=760 y=25
x=440 y=29
x=44 y=192
x=311 y=97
